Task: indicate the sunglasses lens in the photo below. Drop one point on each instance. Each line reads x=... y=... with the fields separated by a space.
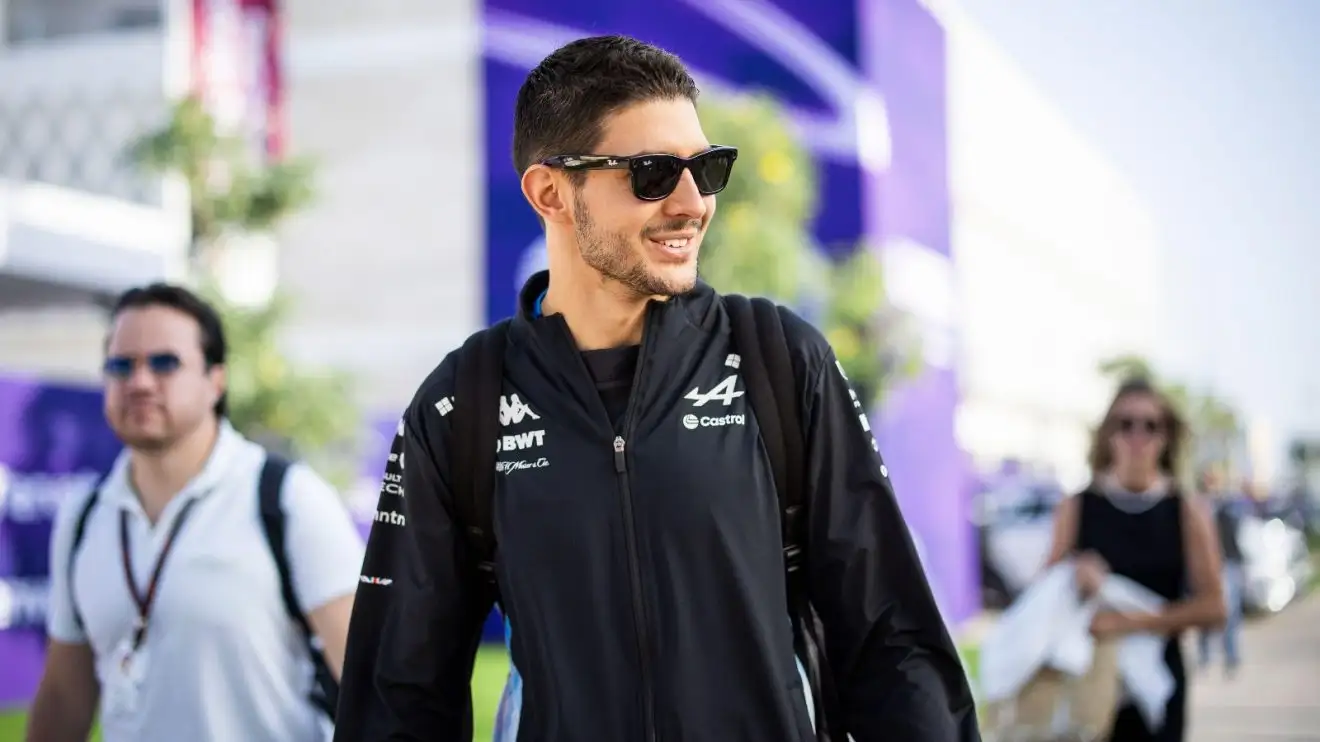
x=1130 y=424
x=163 y=363
x=654 y=178
x=118 y=367
x=712 y=170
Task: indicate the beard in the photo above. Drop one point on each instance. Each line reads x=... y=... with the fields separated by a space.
x=155 y=437
x=613 y=255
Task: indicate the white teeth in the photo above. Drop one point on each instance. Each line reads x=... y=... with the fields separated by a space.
x=676 y=243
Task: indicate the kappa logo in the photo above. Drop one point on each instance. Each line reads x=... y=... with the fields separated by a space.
x=726 y=391
x=514 y=411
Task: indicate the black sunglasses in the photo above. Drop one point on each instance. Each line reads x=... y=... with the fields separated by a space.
x=160 y=364
x=1132 y=424
x=654 y=177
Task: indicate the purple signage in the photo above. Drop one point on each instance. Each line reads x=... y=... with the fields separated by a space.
x=864 y=84
x=53 y=444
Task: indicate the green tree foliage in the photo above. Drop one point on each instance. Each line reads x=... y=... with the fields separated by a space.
x=761 y=244
x=307 y=412
x=230 y=189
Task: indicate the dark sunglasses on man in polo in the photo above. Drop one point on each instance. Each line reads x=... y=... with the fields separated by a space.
x=159 y=364
x=656 y=176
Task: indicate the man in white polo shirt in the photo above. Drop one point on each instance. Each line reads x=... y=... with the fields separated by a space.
x=167 y=603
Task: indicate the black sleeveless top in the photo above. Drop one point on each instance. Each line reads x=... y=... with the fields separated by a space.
x=1147 y=548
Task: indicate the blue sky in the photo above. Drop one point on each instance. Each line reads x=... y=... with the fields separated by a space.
x=1212 y=108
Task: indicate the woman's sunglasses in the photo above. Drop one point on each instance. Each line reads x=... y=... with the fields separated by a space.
x=654 y=177
x=1128 y=425
x=159 y=364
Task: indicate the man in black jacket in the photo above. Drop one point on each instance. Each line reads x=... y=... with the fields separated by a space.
x=640 y=561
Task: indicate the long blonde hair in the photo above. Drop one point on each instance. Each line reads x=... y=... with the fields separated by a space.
x=1176 y=433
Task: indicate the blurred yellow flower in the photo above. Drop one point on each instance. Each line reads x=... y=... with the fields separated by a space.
x=775 y=167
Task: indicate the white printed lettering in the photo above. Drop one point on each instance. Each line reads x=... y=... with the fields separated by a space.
x=390 y=517
x=508 y=467
x=520 y=441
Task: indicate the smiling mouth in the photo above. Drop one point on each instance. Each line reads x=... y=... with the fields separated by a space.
x=674 y=245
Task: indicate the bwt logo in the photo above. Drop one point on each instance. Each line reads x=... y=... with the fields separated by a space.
x=390 y=517
x=514 y=411
x=692 y=422
x=519 y=441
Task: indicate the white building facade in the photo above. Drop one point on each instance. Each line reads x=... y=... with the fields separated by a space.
x=78 y=82
x=1058 y=264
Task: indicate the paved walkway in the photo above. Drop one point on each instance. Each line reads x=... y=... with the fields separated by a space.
x=1276 y=694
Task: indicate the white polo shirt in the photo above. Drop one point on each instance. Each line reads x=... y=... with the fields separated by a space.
x=225 y=661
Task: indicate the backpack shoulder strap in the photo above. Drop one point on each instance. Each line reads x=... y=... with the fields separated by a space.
x=478 y=386
x=772 y=388
x=767 y=370
x=270 y=487
x=79 y=532
x=270 y=490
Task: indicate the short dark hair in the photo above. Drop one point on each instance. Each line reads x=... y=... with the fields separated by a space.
x=211 y=329
x=564 y=101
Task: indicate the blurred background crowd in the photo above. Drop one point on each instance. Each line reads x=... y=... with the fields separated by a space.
x=995 y=210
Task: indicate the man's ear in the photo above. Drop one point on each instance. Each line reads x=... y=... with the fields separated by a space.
x=219 y=382
x=547 y=191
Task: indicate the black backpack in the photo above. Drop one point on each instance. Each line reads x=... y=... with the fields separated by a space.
x=772 y=389
x=325 y=689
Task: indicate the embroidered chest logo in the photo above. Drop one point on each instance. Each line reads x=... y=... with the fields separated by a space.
x=724 y=392
x=514 y=411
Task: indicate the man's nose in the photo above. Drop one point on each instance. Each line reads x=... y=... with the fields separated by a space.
x=141 y=377
x=686 y=201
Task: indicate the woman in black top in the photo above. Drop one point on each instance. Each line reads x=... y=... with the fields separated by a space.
x=1133 y=521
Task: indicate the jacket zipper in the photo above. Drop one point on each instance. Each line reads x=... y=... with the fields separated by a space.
x=630 y=538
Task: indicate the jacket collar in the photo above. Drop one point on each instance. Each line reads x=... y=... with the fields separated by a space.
x=696 y=307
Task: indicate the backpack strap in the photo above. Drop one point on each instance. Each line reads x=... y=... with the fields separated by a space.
x=79 y=532
x=772 y=389
x=478 y=386
x=767 y=370
x=270 y=486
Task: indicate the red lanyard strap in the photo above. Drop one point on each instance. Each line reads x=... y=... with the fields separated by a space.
x=145 y=602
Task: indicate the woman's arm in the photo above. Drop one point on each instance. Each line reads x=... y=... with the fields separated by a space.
x=1065 y=530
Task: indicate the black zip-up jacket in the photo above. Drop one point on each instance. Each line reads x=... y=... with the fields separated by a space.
x=646 y=590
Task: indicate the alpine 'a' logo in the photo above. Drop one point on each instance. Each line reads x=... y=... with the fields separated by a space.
x=726 y=391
